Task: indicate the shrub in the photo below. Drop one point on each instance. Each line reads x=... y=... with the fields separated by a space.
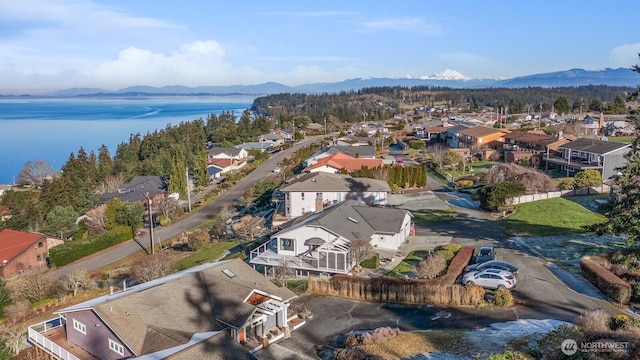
x=566 y=184
x=605 y=280
x=509 y=355
x=372 y=262
x=594 y=320
x=503 y=298
x=454 y=248
x=465 y=183
x=457 y=265
x=618 y=321
x=164 y=220
x=446 y=254
x=432 y=265
x=635 y=294
x=198 y=239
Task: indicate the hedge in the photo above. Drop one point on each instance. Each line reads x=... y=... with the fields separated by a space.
x=457 y=265
x=69 y=252
x=605 y=280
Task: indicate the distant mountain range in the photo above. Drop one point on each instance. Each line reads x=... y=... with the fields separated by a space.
x=450 y=78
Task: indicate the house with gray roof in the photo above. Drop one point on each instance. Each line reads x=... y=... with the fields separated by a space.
x=214 y=309
x=312 y=192
x=138 y=189
x=583 y=154
x=321 y=242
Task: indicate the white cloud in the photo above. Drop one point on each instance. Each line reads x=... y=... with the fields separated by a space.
x=624 y=55
x=403 y=24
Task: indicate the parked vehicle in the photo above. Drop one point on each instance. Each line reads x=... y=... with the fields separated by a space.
x=276 y=170
x=485 y=253
x=493 y=264
x=399 y=161
x=490 y=279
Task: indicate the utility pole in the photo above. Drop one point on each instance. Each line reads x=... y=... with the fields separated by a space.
x=188 y=192
x=325 y=126
x=540 y=118
x=150 y=222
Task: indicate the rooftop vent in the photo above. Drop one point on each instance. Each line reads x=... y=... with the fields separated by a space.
x=229 y=273
x=352 y=219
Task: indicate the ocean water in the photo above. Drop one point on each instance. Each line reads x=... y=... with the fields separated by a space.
x=52 y=129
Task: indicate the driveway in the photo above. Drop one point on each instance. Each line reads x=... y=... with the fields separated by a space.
x=544 y=291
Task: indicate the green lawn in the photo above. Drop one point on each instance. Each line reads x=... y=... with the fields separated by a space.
x=551 y=217
x=619 y=139
x=434 y=216
x=405 y=266
x=210 y=254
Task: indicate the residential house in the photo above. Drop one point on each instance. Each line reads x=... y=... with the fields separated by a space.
x=314 y=191
x=219 y=308
x=22 y=251
x=451 y=135
x=262 y=146
x=478 y=136
x=360 y=152
x=272 y=139
x=321 y=242
x=340 y=162
x=227 y=159
x=582 y=154
x=531 y=145
x=138 y=189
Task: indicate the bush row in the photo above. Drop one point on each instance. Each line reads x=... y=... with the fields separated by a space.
x=397 y=290
x=69 y=252
x=605 y=280
x=456 y=266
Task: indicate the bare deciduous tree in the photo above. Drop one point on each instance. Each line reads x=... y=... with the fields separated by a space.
x=76 y=280
x=35 y=173
x=32 y=286
x=360 y=250
x=150 y=267
x=530 y=178
x=438 y=152
x=110 y=184
x=95 y=220
x=14 y=337
x=168 y=207
x=226 y=212
x=283 y=273
x=249 y=227
x=432 y=266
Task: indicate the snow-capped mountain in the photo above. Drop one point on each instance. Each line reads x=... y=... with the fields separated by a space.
x=446 y=75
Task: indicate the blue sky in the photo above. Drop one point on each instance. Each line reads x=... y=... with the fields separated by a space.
x=111 y=44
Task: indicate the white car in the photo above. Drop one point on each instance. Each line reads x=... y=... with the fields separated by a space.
x=490 y=279
x=276 y=170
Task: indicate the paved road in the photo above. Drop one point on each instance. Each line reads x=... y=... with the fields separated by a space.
x=196 y=218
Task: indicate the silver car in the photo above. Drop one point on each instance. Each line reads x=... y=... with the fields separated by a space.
x=490 y=279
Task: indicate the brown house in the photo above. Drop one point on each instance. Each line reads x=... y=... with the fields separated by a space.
x=21 y=251
x=479 y=136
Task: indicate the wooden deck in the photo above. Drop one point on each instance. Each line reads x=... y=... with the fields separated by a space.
x=59 y=337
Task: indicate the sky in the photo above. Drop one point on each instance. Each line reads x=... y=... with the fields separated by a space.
x=48 y=45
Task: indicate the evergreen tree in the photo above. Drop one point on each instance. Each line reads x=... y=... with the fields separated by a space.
x=624 y=214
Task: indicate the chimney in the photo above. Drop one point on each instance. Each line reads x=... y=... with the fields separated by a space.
x=319 y=203
x=560 y=135
x=601 y=124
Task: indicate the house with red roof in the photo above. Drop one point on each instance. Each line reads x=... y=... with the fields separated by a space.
x=21 y=251
x=340 y=162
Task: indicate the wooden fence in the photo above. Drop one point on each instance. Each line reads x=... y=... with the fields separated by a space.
x=560 y=193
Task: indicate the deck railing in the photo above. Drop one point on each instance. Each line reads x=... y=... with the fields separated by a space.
x=37 y=338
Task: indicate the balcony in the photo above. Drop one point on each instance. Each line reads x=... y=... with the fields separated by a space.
x=50 y=336
x=577 y=163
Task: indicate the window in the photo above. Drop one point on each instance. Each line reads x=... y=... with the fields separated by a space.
x=40 y=244
x=116 y=347
x=286 y=244
x=79 y=326
x=302 y=196
x=38 y=257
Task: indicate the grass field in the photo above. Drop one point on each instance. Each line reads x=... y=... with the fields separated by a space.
x=619 y=139
x=210 y=254
x=434 y=216
x=551 y=217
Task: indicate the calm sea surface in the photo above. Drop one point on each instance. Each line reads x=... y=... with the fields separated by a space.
x=52 y=129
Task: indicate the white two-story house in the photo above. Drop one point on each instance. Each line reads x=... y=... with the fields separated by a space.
x=312 y=192
x=321 y=243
